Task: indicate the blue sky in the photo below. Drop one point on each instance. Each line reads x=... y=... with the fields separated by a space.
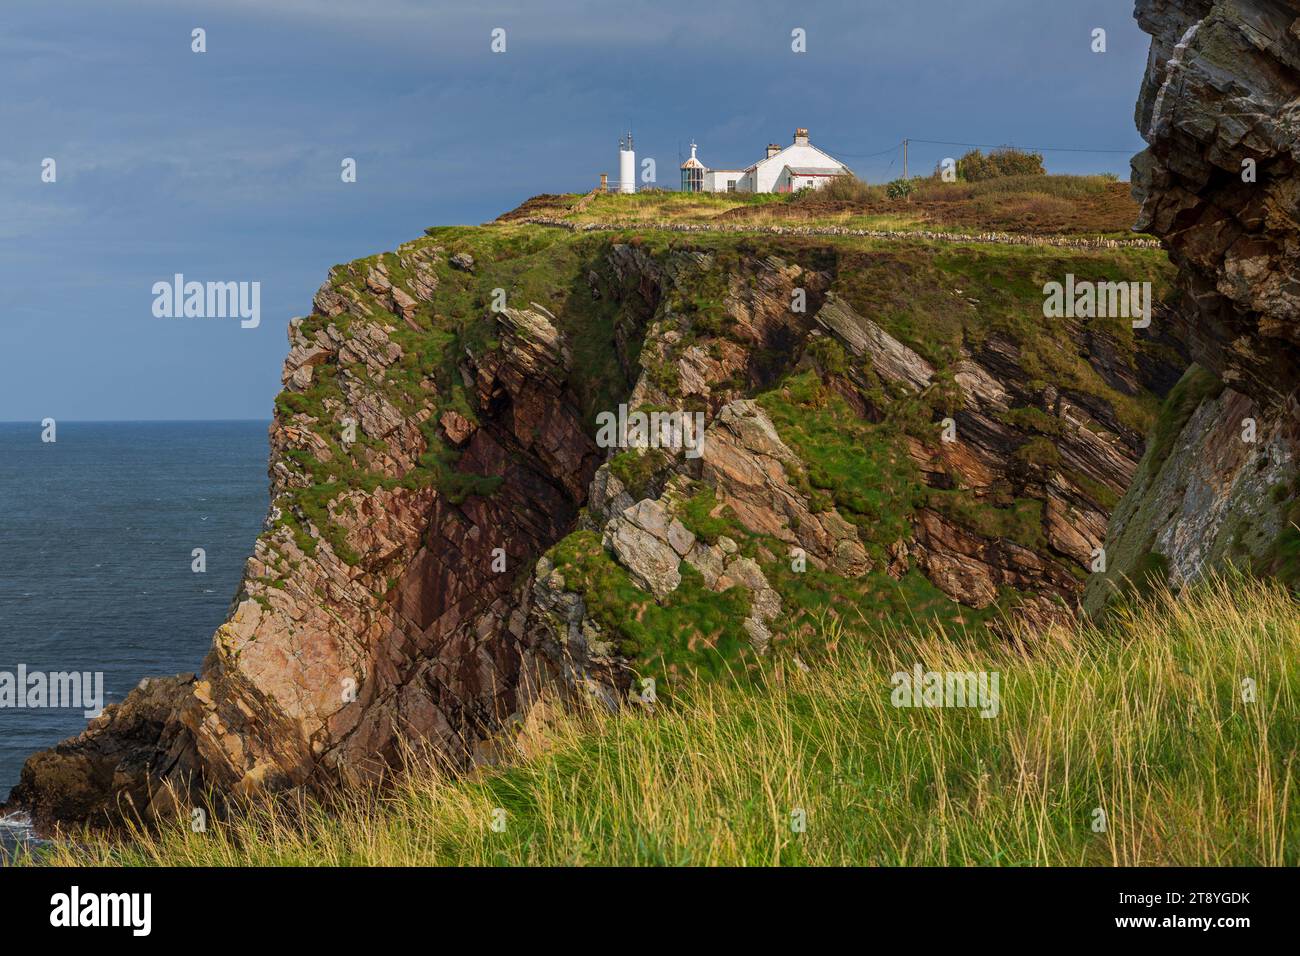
x=225 y=165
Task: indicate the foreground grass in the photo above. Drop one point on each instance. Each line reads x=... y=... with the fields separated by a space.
x=1143 y=718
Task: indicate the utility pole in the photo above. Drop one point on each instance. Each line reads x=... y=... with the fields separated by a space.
x=904 y=159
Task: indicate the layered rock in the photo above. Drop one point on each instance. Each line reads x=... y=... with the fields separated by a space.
x=749 y=468
x=750 y=473
x=393 y=614
x=445 y=531
x=1219 y=108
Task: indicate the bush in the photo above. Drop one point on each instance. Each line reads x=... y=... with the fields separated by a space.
x=899 y=189
x=843 y=189
x=976 y=167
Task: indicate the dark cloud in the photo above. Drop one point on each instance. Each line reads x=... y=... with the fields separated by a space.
x=225 y=165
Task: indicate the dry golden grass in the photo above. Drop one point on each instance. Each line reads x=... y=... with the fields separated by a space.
x=1033 y=205
x=1144 y=718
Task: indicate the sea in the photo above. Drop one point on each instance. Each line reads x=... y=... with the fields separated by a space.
x=98 y=566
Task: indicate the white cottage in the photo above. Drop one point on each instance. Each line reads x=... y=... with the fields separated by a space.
x=800 y=165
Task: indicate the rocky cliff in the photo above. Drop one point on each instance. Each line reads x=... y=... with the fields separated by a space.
x=1219 y=108
x=889 y=433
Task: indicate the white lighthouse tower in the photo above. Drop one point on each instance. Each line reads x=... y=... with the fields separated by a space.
x=693 y=174
x=626 y=165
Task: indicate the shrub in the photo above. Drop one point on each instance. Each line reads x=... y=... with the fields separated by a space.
x=899 y=189
x=843 y=189
x=975 y=166
x=829 y=355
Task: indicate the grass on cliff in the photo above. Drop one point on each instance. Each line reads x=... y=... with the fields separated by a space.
x=1144 y=719
x=1038 y=205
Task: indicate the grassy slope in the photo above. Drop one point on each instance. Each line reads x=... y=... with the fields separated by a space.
x=1144 y=719
x=1065 y=205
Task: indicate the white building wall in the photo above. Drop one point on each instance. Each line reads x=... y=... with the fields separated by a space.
x=718 y=180
x=796 y=183
x=768 y=175
x=768 y=171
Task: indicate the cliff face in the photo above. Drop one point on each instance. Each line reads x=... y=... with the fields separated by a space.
x=448 y=544
x=1219 y=109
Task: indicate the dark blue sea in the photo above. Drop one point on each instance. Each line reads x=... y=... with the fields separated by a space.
x=97 y=530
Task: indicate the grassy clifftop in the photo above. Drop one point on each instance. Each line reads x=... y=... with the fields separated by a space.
x=1036 y=205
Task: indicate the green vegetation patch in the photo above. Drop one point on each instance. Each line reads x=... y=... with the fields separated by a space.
x=859 y=467
x=1183 y=400
x=1282 y=558
x=638 y=470
x=694 y=632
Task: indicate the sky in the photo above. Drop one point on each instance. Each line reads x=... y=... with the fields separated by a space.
x=225 y=165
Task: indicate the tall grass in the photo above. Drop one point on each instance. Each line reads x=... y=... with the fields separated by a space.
x=844 y=189
x=656 y=205
x=1060 y=186
x=1143 y=718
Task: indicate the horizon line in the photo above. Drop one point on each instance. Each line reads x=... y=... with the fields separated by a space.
x=134 y=421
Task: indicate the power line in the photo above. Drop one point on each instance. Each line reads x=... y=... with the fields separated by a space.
x=943 y=142
x=1035 y=149
x=882 y=152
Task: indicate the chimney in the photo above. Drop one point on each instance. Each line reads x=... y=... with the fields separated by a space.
x=604 y=182
x=773 y=149
x=801 y=136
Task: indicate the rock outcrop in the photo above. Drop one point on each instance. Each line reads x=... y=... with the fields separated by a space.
x=448 y=543
x=379 y=614
x=1219 y=183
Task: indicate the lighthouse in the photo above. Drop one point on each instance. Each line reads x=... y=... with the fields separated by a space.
x=626 y=165
x=692 y=174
